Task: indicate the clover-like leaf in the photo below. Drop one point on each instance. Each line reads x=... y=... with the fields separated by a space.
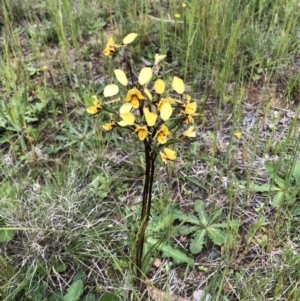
x=145 y=75
x=178 y=85
x=110 y=90
x=129 y=38
x=159 y=86
x=121 y=77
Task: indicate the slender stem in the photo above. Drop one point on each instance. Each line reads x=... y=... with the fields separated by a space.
x=144 y=217
x=129 y=67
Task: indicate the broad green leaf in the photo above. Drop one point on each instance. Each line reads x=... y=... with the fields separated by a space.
x=89 y=297
x=108 y=297
x=165 y=111
x=220 y=225
x=196 y=182
x=74 y=291
x=159 y=86
x=80 y=275
x=57 y=296
x=200 y=209
x=38 y=292
x=129 y=38
x=277 y=198
x=216 y=235
x=110 y=90
x=178 y=85
x=185 y=230
x=270 y=169
x=279 y=182
x=198 y=241
x=296 y=172
x=121 y=77
x=177 y=255
x=6 y=235
x=145 y=75
x=264 y=188
x=186 y=218
x=215 y=215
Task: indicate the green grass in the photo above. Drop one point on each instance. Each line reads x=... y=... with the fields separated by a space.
x=71 y=192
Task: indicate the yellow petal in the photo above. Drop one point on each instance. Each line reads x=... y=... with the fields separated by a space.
x=125 y=108
x=150 y=117
x=165 y=111
x=190 y=132
x=121 y=77
x=164 y=129
x=145 y=75
x=163 y=157
x=191 y=108
x=92 y=110
x=128 y=118
x=122 y=123
x=171 y=155
x=148 y=94
x=158 y=58
x=238 y=135
x=110 y=90
x=161 y=138
x=159 y=86
x=178 y=85
x=108 y=126
x=130 y=38
x=110 y=42
x=142 y=132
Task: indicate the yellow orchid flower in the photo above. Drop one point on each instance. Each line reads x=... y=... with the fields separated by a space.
x=110 y=47
x=238 y=135
x=189 y=107
x=190 y=132
x=134 y=95
x=188 y=119
x=167 y=154
x=109 y=125
x=95 y=108
x=162 y=134
x=142 y=131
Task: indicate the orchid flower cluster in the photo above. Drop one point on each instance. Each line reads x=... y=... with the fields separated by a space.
x=151 y=113
x=148 y=110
